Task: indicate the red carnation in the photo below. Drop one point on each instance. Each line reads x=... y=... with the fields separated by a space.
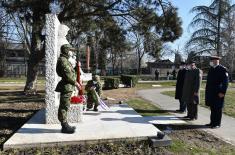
x=77 y=100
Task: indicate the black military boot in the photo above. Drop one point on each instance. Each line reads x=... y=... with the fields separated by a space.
x=66 y=128
x=95 y=108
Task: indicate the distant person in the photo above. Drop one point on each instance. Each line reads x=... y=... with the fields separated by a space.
x=216 y=87
x=174 y=74
x=179 y=87
x=156 y=74
x=168 y=75
x=191 y=90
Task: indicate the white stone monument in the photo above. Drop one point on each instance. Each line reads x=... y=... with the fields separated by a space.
x=55 y=38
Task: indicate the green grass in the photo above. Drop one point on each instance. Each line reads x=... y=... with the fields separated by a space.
x=145 y=108
x=228 y=106
x=169 y=84
x=162 y=84
x=179 y=146
x=20 y=79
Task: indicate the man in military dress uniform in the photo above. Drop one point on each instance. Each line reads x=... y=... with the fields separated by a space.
x=216 y=87
x=93 y=88
x=66 y=86
x=191 y=90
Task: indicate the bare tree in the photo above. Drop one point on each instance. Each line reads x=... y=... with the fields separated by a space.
x=228 y=40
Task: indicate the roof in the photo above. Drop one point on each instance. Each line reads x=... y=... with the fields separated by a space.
x=165 y=61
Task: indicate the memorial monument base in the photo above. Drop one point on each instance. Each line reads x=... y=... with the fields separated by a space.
x=74 y=114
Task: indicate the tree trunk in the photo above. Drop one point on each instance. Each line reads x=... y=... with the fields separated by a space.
x=121 y=63
x=113 y=60
x=2 y=60
x=32 y=74
x=36 y=55
x=218 y=48
x=139 y=66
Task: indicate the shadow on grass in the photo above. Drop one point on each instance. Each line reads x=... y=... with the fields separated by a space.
x=12 y=118
x=18 y=93
x=180 y=126
x=19 y=96
x=15 y=111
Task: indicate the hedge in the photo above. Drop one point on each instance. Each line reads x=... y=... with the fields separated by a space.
x=129 y=80
x=111 y=83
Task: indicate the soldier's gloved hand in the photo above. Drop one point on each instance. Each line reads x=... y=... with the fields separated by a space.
x=79 y=87
x=92 y=88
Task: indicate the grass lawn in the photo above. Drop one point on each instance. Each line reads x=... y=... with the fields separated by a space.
x=145 y=108
x=20 y=79
x=166 y=84
x=229 y=101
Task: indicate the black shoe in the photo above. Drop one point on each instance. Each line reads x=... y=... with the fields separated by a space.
x=215 y=126
x=95 y=108
x=186 y=117
x=208 y=124
x=66 y=128
x=180 y=111
x=192 y=119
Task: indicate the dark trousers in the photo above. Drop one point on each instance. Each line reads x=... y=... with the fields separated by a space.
x=182 y=105
x=156 y=77
x=216 y=116
x=192 y=110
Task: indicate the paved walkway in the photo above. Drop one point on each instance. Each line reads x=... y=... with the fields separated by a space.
x=225 y=132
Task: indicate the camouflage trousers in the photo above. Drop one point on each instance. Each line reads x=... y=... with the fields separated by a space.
x=64 y=106
x=92 y=99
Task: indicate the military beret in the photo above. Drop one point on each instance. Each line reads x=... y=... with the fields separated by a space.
x=215 y=58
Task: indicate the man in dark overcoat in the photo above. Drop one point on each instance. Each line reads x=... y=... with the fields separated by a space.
x=156 y=74
x=191 y=90
x=179 y=87
x=216 y=87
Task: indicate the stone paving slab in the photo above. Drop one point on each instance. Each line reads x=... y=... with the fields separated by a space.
x=119 y=122
x=226 y=132
x=168 y=119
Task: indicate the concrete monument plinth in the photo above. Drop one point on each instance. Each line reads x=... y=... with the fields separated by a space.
x=55 y=38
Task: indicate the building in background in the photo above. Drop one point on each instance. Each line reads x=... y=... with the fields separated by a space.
x=163 y=66
x=15 y=61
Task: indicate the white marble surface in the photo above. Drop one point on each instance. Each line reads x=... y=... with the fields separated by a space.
x=118 y=122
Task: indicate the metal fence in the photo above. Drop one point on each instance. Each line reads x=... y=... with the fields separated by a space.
x=18 y=70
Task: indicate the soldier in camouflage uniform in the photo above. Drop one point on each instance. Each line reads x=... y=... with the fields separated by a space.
x=66 y=86
x=93 y=86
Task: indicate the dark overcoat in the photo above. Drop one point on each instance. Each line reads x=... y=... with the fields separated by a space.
x=192 y=83
x=180 y=83
x=217 y=82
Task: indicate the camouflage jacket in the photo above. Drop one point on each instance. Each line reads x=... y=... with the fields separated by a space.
x=65 y=70
x=98 y=87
